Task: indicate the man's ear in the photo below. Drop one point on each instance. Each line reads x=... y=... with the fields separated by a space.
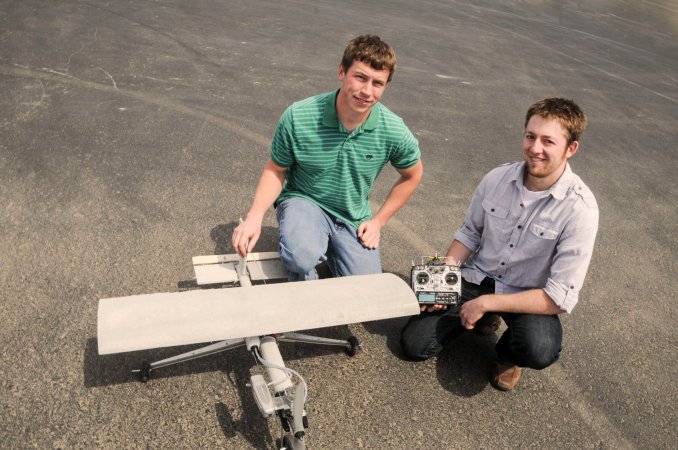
x=572 y=149
x=341 y=72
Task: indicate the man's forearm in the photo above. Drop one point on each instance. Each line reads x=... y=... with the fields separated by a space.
x=400 y=193
x=246 y=234
x=458 y=253
x=533 y=301
x=268 y=189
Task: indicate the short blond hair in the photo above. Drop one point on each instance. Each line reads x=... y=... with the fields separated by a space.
x=565 y=111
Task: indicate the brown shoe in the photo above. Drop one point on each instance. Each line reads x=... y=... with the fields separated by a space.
x=487 y=325
x=505 y=376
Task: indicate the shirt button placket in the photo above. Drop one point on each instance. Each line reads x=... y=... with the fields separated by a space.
x=348 y=143
x=518 y=216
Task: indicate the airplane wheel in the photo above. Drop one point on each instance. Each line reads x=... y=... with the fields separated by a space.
x=145 y=371
x=354 y=346
x=291 y=443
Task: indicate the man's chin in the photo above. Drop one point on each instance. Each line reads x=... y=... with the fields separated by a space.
x=536 y=172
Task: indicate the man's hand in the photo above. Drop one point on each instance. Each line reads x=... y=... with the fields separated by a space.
x=431 y=308
x=471 y=312
x=532 y=301
x=246 y=235
x=369 y=233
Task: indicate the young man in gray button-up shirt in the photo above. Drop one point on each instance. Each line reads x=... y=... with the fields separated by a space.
x=525 y=246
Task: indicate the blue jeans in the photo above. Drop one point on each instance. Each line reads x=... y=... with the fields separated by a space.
x=531 y=340
x=309 y=236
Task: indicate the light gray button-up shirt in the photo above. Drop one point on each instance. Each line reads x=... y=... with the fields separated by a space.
x=546 y=245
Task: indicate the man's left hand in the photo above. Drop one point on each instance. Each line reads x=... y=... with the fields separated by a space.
x=369 y=233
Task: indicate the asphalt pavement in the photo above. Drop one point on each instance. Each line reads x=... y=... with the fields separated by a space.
x=132 y=135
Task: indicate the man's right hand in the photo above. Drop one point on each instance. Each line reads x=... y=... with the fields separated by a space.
x=246 y=235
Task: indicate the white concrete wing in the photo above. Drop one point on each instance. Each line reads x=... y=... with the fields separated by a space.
x=141 y=322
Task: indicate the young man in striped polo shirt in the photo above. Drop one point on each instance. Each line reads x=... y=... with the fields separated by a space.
x=326 y=153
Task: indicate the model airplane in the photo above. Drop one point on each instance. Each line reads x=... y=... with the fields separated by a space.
x=256 y=317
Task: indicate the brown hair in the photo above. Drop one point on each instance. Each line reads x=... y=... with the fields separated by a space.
x=565 y=111
x=371 y=50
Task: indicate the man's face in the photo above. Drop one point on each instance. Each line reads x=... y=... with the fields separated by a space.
x=545 y=150
x=361 y=87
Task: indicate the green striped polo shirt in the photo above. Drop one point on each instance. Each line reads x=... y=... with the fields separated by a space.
x=333 y=167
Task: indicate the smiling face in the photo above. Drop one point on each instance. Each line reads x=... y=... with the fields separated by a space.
x=546 y=151
x=361 y=88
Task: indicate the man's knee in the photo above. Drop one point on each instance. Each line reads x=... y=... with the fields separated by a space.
x=303 y=234
x=414 y=351
x=413 y=346
x=545 y=354
x=537 y=354
x=301 y=259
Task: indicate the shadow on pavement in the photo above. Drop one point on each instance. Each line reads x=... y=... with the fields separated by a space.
x=221 y=235
x=463 y=366
x=251 y=424
x=236 y=364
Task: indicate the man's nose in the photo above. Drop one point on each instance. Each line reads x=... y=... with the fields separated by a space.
x=366 y=89
x=535 y=147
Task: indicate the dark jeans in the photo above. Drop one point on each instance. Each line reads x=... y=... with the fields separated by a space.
x=531 y=340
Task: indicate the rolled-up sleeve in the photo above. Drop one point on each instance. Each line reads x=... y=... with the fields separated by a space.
x=572 y=258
